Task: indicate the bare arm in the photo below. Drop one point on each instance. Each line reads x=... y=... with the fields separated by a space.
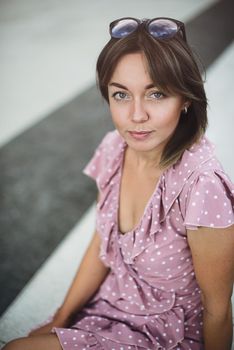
x=88 y=278
x=212 y=252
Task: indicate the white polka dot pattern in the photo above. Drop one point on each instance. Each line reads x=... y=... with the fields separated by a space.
x=210 y=201
x=150 y=299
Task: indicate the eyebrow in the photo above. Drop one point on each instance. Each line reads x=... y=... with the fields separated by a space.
x=149 y=86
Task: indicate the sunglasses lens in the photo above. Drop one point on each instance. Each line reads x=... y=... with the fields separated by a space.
x=123 y=28
x=162 y=28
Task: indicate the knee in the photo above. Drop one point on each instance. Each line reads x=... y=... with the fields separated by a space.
x=14 y=345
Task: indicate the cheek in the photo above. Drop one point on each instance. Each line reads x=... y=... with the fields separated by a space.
x=167 y=116
x=118 y=114
x=116 y=119
x=120 y=123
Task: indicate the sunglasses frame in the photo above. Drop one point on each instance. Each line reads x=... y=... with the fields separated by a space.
x=180 y=26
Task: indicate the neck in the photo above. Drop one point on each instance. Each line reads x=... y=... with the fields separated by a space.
x=144 y=160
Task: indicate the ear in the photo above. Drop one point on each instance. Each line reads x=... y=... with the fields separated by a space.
x=185 y=107
x=186 y=104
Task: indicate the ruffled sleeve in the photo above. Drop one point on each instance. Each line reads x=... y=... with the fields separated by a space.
x=105 y=160
x=210 y=201
x=98 y=162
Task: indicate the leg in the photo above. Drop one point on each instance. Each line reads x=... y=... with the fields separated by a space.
x=45 y=342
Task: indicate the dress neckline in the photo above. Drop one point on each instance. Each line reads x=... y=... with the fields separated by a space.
x=127 y=233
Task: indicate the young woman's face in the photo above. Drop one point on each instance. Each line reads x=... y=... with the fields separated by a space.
x=144 y=116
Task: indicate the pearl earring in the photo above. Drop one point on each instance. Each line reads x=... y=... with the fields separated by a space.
x=185 y=110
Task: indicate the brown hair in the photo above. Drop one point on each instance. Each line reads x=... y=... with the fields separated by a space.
x=173 y=68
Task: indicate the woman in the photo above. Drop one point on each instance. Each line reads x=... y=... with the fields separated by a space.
x=158 y=273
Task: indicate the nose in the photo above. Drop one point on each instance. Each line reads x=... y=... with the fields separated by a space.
x=139 y=113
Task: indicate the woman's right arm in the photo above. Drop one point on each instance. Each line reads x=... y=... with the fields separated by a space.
x=88 y=279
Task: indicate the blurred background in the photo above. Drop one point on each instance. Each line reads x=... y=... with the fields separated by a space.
x=52 y=117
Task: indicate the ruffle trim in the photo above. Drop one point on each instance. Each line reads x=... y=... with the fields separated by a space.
x=78 y=339
x=180 y=182
x=151 y=332
x=146 y=299
x=210 y=201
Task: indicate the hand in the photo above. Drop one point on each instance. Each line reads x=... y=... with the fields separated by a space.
x=58 y=321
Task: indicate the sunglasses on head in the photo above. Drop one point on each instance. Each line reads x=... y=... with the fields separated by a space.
x=159 y=28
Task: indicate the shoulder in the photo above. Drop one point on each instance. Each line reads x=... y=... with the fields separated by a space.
x=106 y=158
x=200 y=162
x=111 y=144
x=205 y=170
x=208 y=195
x=203 y=189
x=113 y=138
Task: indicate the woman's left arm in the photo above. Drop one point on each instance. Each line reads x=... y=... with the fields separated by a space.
x=213 y=258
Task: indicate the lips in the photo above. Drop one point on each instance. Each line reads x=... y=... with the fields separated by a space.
x=140 y=135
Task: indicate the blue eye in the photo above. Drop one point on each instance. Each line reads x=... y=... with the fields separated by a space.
x=119 y=95
x=157 y=95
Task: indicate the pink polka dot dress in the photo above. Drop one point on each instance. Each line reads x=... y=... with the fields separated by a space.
x=150 y=299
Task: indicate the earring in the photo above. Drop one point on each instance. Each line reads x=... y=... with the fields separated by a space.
x=185 y=110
